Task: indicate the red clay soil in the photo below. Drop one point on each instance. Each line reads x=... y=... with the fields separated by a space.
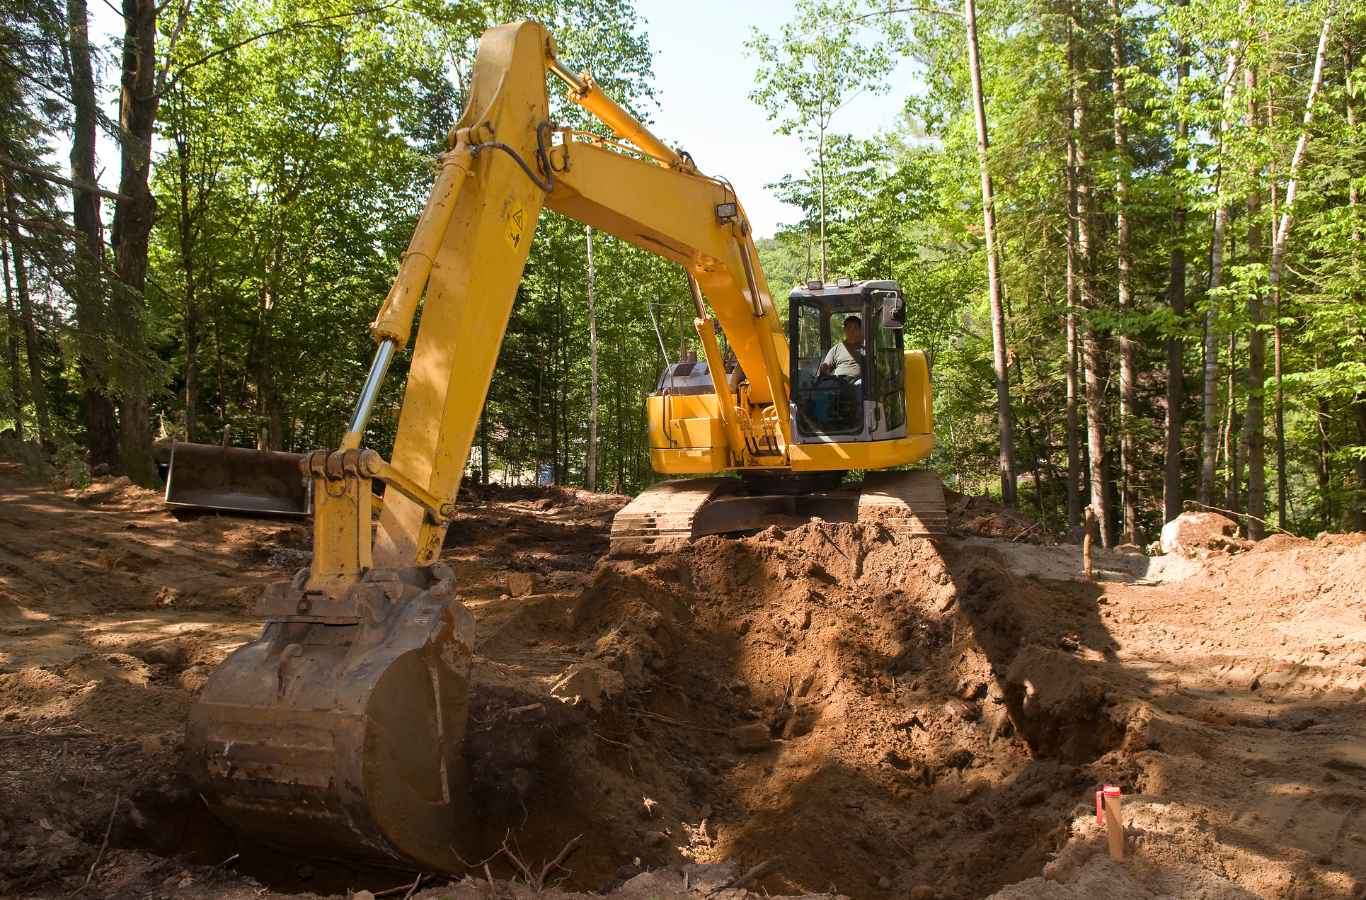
x=865 y=714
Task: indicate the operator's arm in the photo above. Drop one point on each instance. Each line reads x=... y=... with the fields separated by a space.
x=832 y=359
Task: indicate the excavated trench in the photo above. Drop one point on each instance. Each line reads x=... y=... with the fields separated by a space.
x=868 y=713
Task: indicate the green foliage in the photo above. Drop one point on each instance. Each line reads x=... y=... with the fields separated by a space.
x=908 y=207
x=818 y=61
x=294 y=152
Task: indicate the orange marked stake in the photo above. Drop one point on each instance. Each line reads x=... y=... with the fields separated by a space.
x=1107 y=814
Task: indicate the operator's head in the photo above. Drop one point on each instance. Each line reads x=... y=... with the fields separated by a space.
x=853 y=331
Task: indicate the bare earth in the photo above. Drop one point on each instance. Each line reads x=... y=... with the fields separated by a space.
x=868 y=715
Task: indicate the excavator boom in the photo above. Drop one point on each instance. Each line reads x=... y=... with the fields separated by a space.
x=340 y=729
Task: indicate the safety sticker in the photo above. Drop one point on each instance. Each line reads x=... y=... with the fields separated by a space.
x=516 y=226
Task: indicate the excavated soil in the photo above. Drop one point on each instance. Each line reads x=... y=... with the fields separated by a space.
x=845 y=710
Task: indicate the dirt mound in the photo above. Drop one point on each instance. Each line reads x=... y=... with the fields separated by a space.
x=117 y=493
x=781 y=688
x=860 y=712
x=971 y=516
x=1201 y=534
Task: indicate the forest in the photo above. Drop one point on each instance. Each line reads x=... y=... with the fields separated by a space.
x=1129 y=236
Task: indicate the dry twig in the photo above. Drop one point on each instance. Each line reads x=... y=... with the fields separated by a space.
x=104 y=845
x=406 y=888
x=536 y=881
x=741 y=880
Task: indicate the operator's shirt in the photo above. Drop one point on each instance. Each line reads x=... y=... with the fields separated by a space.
x=843 y=363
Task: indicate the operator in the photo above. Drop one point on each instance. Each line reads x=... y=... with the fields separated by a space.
x=845 y=359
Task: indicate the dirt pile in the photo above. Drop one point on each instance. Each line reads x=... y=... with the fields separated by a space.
x=971 y=516
x=1200 y=534
x=861 y=713
x=833 y=699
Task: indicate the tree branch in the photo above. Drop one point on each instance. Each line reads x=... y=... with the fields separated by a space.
x=907 y=9
x=48 y=176
x=309 y=23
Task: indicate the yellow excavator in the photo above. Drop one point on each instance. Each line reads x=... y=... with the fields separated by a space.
x=339 y=730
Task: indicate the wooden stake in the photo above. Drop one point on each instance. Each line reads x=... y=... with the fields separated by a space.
x=1108 y=808
x=1088 y=529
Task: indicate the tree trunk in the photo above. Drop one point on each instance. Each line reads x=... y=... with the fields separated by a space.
x=1073 y=391
x=1282 y=488
x=555 y=387
x=484 y=447
x=1210 y=433
x=590 y=463
x=37 y=389
x=187 y=263
x=16 y=374
x=1176 y=299
x=262 y=366
x=101 y=429
x=132 y=228
x=1127 y=463
x=1091 y=340
x=998 y=320
x=820 y=165
x=1277 y=261
x=1359 y=401
x=1359 y=408
x=1324 y=472
x=1232 y=501
x=1254 y=416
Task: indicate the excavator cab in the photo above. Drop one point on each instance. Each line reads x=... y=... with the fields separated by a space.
x=826 y=406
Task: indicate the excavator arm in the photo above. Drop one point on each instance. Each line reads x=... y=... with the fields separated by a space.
x=504 y=163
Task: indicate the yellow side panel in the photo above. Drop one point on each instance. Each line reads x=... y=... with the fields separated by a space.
x=861 y=454
x=919 y=394
x=685 y=422
x=689 y=462
x=686 y=435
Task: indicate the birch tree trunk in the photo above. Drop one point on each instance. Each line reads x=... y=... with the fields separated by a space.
x=1091 y=342
x=1254 y=415
x=1209 y=447
x=590 y=463
x=1073 y=388
x=1127 y=467
x=1000 y=361
x=1282 y=489
x=1278 y=242
x=101 y=438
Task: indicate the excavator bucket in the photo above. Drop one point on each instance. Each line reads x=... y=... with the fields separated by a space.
x=341 y=734
x=235 y=479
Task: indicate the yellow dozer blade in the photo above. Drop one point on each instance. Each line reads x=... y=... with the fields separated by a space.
x=236 y=479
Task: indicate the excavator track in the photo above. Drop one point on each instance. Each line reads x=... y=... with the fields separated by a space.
x=665 y=517
x=907 y=502
x=662 y=518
